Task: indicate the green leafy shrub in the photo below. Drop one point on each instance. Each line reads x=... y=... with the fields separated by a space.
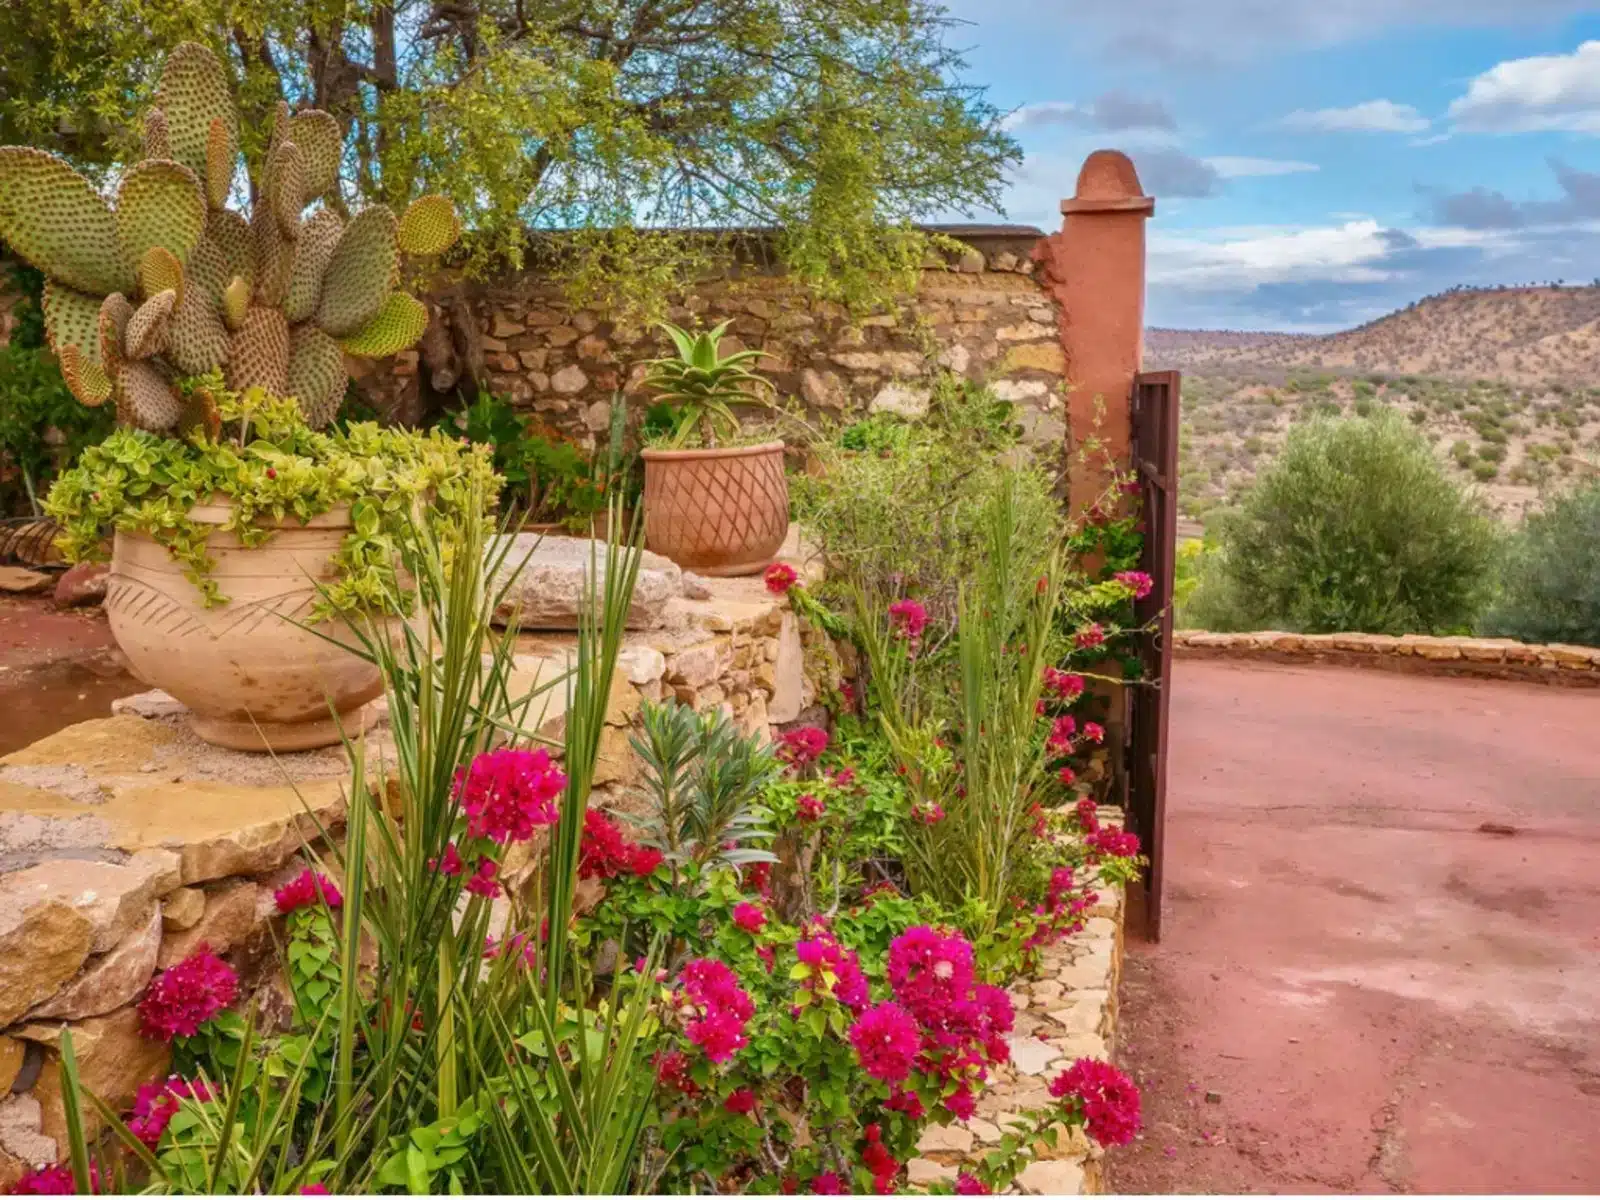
x=1550 y=577
x=547 y=479
x=1355 y=527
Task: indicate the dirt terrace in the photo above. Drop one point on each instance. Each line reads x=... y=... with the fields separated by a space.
x=1381 y=965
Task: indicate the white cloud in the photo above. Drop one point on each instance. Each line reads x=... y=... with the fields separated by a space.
x=1548 y=91
x=1046 y=112
x=1234 y=166
x=1252 y=255
x=1370 y=116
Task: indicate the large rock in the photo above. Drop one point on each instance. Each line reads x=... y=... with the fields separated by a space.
x=110 y=980
x=42 y=945
x=82 y=585
x=548 y=578
x=114 y=1058
x=232 y=913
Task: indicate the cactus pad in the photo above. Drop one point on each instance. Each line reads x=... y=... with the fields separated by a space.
x=156 y=144
x=71 y=319
x=319 y=234
x=220 y=154
x=398 y=325
x=231 y=234
x=146 y=398
x=360 y=274
x=160 y=271
x=285 y=187
x=258 y=355
x=316 y=374
x=160 y=204
x=194 y=92
x=322 y=146
x=428 y=227
x=146 y=335
x=54 y=218
x=272 y=255
x=85 y=379
x=235 y=302
x=115 y=312
x=197 y=340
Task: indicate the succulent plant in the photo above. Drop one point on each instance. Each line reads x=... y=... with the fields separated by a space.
x=170 y=283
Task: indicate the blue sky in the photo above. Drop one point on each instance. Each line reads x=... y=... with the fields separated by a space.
x=1316 y=163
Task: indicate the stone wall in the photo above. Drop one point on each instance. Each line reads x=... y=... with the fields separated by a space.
x=1483 y=658
x=981 y=313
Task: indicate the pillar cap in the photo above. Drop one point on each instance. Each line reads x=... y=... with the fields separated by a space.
x=1109 y=183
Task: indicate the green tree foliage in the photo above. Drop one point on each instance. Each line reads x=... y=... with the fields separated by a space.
x=838 y=121
x=1356 y=527
x=1550 y=581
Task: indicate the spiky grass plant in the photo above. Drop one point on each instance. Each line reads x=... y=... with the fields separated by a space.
x=170 y=283
x=435 y=1068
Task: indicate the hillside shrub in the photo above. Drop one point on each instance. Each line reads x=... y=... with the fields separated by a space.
x=1550 y=577
x=1355 y=527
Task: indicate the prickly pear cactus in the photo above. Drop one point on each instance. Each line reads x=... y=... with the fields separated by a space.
x=169 y=282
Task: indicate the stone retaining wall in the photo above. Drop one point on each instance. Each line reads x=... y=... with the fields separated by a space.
x=1484 y=658
x=981 y=313
x=1066 y=1011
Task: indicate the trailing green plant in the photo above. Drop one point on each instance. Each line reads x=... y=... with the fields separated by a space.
x=705 y=779
x=702 y=385
x=547 y=479
x=171 y=283
x=1550 y=575
x=262 y=457
x=1356 y=526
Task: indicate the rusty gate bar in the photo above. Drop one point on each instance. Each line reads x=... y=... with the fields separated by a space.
x=1155 y=456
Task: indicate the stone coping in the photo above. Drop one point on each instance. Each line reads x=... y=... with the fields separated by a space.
x=1483 y=658
x=1065 y=1011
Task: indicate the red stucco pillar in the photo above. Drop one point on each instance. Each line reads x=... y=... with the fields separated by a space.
x=1095 y=267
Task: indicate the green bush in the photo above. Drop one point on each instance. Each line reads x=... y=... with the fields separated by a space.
x=1356 y=526
x=1550 y=578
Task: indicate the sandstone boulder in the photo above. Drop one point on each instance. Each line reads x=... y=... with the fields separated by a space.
x=548 y=578
x=110 y=980
x=83 y=584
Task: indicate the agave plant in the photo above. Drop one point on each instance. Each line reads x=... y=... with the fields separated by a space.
x=701 y=384
x=169 y=283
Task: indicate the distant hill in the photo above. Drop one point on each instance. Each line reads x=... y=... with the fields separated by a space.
x=1505 y=383
x=1523 y=336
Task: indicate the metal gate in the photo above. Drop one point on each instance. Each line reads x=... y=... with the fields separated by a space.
x=1155 y=460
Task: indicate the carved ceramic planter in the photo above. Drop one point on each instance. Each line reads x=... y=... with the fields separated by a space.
x=252 y=679
x=716 y=512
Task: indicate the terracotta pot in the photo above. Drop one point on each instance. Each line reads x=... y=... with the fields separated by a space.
x=717 y=512
x=251 y=679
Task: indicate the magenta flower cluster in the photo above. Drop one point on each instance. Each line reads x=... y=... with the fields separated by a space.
x=155 y=1104
x=821 y=951
x=716 y=1007
x=908 y=619
x=185 y=996
x=507 y=794
x=801 y=747
x=305 y=890
x=1136 y=582
x=1109 y=1100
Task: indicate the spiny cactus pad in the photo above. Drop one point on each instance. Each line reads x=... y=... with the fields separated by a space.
x=235 y=302
x=115 y=313
x=85 y=379
x=156 y=143
x=194 y=92
x=316 y=374
x=231 y=234
x=399 y=324
x=53 y=217
x=146 y=398
x=322 y=146
x=258 y=355
x=360 y=274
x=272 y=255
x=197 y=340
x=160 y=204
x=319 y=234
x=146 y=335
x=160 y=271
x=220 y=155
x=428 y=227
x=286 y=187
x=71 y=319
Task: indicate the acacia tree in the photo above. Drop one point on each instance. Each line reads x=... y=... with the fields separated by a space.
x=837 y=121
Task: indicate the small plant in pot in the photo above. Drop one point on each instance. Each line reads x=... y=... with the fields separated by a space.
x=712 y=503
x=221 y=339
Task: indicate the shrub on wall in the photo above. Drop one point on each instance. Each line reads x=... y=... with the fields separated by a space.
x=1550 y=580
x=1356 y=527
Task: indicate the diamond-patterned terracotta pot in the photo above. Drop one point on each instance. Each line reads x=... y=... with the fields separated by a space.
x=716 y=512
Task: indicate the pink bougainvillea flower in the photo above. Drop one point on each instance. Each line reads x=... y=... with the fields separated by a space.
x=1094 y=731
x=810 y=808
x=672 y=1071
x=1087 y=812
x=1108 y=1099
x=844 y=777
x=768 y=957
x=314 y=1189
x=876 y=1158
x=749 y=917
x=155 y=1104
x=801 y=747
x=1114 y=843
x=483 y=881
x=1062 y=731
x=55 y=1180
x=828 y=1184
x=1067 y=776
x=961 y=1103
x=908 y=619
x=644 y=860
x=929 y=971
x=780 y=577
x=887 y=1040
x=185 y=996
x=449 y=863
x=1090 y=636
x=721 y=1008
x=308 y=888
x=1062 y=685
x=929 y=812
x=968 y=1184
x=509 y=793
x=906 y=1101
x=741 y=1102
x=1136 y=582
x=605 y=852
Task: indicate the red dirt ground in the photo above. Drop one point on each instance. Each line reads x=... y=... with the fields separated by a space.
x=1358 y=990
x=56 y=667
